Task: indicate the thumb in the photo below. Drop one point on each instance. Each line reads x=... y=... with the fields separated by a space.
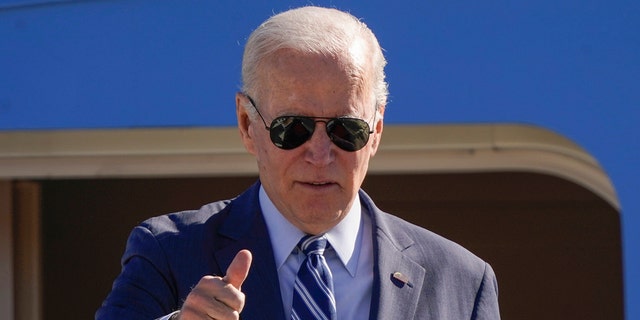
x=238 y=269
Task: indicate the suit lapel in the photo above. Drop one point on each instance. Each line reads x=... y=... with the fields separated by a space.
x=398 y=280
x=245 y=229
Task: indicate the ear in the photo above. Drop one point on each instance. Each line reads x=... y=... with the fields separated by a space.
x=244 y=123
x=377 y=130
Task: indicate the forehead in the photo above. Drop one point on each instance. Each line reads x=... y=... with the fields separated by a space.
x=308 y=79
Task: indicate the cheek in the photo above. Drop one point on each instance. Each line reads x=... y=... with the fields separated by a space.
x=271 y=161
x=261 y=146
x=361 y=168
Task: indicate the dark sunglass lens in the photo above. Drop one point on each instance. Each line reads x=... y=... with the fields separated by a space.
x=291 y=132
x=348 y=134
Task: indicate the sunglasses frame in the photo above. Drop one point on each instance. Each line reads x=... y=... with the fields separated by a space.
x=329 y=123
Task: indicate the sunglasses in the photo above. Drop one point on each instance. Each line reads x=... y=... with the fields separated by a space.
x=290 y=132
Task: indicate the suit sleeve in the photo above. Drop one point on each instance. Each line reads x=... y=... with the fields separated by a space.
x=486 y=305
x=144 y=289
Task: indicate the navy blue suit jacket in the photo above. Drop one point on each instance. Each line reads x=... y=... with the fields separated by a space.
x=166 y=256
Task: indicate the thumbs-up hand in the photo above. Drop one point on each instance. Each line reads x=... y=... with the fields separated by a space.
x=216 y=297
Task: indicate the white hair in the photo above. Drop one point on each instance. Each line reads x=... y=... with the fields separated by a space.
x=317 y=30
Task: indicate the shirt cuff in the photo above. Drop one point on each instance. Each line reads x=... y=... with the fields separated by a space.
x=170 y=316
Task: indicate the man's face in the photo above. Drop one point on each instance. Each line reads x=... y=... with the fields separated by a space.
x=315 y=184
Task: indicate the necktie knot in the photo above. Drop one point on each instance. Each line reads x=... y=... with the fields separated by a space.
x=313 y=244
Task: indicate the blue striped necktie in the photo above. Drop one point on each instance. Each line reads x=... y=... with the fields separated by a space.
x=313 y=289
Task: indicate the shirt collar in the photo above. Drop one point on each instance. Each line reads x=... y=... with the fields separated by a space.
x=284 y=236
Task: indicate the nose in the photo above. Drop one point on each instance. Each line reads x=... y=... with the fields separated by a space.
x=319 y=149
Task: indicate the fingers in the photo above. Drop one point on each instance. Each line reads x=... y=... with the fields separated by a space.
x=238 y=269
x=212 y=298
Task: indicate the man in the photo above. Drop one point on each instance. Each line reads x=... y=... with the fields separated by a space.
x=311 y=112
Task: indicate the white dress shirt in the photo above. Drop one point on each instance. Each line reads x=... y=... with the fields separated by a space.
x=350 y=258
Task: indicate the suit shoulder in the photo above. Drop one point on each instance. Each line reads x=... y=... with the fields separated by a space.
x=183 y=221
x=426 y=246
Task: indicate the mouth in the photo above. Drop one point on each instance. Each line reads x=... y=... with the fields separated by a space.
x=320 y=184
